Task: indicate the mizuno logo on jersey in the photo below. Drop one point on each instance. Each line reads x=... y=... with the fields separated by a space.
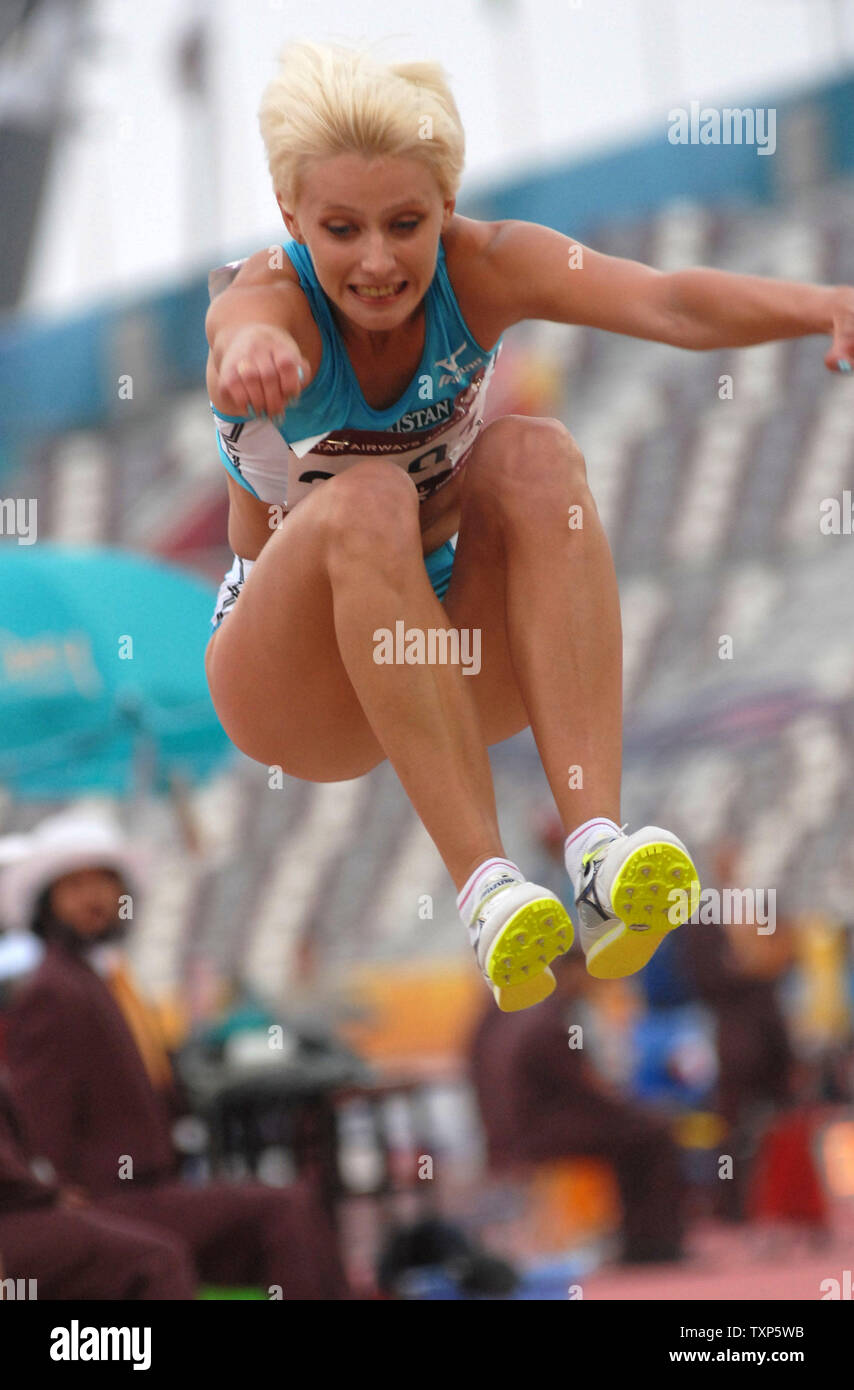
x=453 y=371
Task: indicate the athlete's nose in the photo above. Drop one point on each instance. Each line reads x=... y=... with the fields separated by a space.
x=377 y=259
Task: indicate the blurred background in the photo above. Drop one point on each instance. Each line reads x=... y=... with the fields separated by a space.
x=132 y=165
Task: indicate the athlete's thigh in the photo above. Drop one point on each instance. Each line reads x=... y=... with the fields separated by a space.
x=275 y=673
x=476 y=599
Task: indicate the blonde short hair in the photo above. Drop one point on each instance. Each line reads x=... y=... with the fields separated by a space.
x=327 y=100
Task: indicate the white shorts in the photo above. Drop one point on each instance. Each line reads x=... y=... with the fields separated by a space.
x=229 y=589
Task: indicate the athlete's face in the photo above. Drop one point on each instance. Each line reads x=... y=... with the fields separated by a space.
x=372 y=227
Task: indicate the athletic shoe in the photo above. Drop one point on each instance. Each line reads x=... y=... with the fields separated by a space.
x=516 y=930
x=626 y=903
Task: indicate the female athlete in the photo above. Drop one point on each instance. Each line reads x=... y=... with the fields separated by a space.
x=378 y=525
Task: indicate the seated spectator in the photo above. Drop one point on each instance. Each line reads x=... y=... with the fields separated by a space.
x=735 y=972
x=74 y=1249
x=94 y=1084
x=542 y=1100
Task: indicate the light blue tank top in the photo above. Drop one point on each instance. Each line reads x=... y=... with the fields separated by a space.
x=333 y=398
x=428 y=432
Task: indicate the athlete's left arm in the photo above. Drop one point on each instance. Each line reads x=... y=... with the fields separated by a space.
x=544 y=275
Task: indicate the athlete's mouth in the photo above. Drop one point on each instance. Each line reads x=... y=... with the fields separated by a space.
x=379 y=292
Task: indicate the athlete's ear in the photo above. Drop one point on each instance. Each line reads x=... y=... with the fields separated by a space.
x=448 y=211
x=289 y=220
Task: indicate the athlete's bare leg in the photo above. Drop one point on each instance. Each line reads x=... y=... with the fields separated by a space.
x=292 y=671
x=546 y=598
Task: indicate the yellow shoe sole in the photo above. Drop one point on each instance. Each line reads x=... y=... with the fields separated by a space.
x=640 y=897
x=518 y=964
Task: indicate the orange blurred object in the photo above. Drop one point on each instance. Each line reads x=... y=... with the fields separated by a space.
x=571 y=1201
x=420 y=1010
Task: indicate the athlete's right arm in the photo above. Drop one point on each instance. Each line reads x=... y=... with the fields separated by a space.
x=264 y=344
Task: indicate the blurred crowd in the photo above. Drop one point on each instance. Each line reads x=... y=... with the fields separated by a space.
x=92 y=1201
x=703 y=1092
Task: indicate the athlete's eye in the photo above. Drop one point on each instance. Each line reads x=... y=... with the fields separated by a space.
x=407 y=224
x=339 y=229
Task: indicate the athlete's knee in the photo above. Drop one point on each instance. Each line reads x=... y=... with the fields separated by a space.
x=374 y=485
x=370 y=513
x=530 y=458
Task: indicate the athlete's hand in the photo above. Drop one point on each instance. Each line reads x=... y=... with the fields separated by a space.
x=262 y=369
x=840 y=358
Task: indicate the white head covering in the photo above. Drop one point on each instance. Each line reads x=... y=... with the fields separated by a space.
x=60 y=845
